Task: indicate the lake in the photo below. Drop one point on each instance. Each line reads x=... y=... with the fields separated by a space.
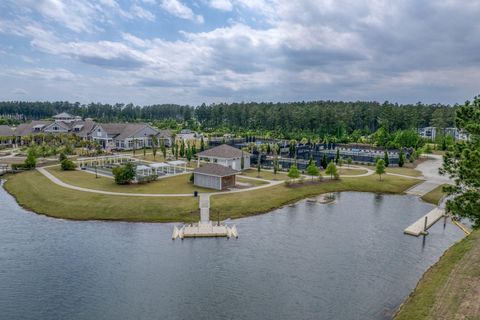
x=345 y=260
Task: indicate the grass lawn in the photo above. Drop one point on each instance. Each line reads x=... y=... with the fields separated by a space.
x=252 y=182
x=149 y=157
x=449 y=289
x=176 y=184
x=405 y=171
x=435 y=195
x=349 y=171
x=264 y=174
x=36 y=192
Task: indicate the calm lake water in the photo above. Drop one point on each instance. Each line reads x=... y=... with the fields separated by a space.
x=347 y=260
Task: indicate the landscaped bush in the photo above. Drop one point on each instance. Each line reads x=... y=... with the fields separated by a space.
x=68 y=165
x=124 y=174
x=19 y=166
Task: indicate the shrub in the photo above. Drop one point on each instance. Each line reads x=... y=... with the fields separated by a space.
x=31 y=161
x=68 y=165
x=124 y=174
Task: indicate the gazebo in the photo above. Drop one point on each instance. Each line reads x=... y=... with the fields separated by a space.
x=143 y=171
x=160 y=168
x=178 y=166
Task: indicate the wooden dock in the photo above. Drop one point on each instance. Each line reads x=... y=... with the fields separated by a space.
x=205 y=227
x=421 y=226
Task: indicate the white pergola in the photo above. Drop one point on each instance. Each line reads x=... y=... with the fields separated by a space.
x=103 y=160
x=144 y=171
x=160 y=168
x=178 y=165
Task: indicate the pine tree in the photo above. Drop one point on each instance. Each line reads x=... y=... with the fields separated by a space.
x=386 y=161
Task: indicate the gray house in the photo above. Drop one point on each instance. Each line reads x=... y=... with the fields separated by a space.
x=123 y=136
x=6 y=135
x=214 y=176
x=227 y=156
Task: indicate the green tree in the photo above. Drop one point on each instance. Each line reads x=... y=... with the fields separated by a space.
x=154 y=146
x=68 y=165
x=313 y=171
x=332 y=170
x=380 y=168
x=293 y=172
x=401 y=159
x=386 y=160
x=163 y=148
x=463 y=164
x=124 y=174
x=62 y=157
x=324 y=161
x=30 y=161
x=337 y=156
x=202 y=144
x=349 y=161
x=182 y=149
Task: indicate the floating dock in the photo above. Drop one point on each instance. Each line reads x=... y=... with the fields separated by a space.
x=421 y=226
x=205 y=227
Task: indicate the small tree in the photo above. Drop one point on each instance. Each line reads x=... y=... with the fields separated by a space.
x=154 y=146
x=202 y=144
x=386 y=160
x=124 y=174
x=163 y=148
x=30 y=161
x=293 y=172
x=332 y=170
x=242 y=162
x=313 y=171
x=62 y=157
x=68 y=165
x=380 y=168
x=401 y=159
x=182 y=149
x=324 y=161
x=337 y=156
x=349 y=161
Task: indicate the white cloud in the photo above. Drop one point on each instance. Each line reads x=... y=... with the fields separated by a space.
x=180 y=10
x=224 y=5
x=142 y=13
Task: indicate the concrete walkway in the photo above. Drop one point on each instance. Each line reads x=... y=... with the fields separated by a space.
x=431 y=175
x=59 y=182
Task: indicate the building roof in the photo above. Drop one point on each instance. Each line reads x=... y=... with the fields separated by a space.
x=223 y=151
x=6 y=131
x=122 y=130
x=63 y=115
x=25 y=129
x=212 y=169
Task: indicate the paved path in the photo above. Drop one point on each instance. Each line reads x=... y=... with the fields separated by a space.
x=431 y=175
x=59 y=182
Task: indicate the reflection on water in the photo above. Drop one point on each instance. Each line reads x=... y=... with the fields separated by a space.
x=345 y=260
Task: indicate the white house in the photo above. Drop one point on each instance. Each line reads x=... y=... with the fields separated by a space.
x=226 y=156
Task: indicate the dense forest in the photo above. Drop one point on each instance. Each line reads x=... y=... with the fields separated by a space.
x=288 y=120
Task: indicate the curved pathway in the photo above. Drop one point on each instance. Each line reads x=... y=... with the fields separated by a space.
x=269 y=184
x=59 y=182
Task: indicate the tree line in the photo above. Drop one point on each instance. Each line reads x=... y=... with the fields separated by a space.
x=281 y=120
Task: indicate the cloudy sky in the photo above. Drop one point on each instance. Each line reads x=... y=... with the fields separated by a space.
x=194 y=51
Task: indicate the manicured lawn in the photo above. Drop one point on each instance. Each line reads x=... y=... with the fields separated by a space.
x=251 y=182
x=449 y=289
x=405 y=171
x=36 y=192
x=350 y=171
x=176 y=184
x=149 y=157
x=264 y=174
x=434 y=196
